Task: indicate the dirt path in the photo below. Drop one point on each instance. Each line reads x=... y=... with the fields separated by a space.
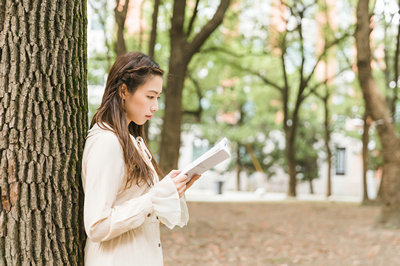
x=287 y=233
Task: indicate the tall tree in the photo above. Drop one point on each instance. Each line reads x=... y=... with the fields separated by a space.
x=43 y=123
x=380 y=113
x=327 y=137
x=294 y=88
x=182 y=49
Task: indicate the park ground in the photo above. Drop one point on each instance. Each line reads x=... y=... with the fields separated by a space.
x=281 y=233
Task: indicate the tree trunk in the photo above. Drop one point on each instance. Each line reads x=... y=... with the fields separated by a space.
x=182 y=52
x=311 y=186
x=238 y=167
x=396 y=71
x=43 y=123
x=152 y=44
x=291 y=160
x=153 y=34
x=365 y=155
x=328 y=148
x=390 y=215
x=171 y=137
x=120 y=12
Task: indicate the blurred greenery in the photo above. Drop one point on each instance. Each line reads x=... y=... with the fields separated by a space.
x=223 y=94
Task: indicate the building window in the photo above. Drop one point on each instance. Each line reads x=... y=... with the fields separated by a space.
x=340 y=161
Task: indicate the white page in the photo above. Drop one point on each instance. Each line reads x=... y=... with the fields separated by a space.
x=217 y=154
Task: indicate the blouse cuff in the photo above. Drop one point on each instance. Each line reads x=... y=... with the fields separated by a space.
x=167 y=204
x=184 y=210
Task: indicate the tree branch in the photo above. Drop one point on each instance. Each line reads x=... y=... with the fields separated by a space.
x=153 y=34
x=327 y=47
x=192 y=19
x=329 y=79
x=196 y=113
x=259 y=75
x=211 y=25
x=231 y=53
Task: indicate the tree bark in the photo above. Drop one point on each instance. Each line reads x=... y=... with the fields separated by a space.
x=43 y=124
x=365 y=155
x=120 y=12
x=181 y=53
x=390 y=215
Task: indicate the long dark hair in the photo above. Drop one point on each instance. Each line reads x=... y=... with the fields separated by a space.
x=132 y=69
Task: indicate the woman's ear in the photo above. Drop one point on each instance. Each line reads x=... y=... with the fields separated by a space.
x=123 y=91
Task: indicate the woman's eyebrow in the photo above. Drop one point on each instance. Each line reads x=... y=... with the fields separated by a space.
x=156 y=92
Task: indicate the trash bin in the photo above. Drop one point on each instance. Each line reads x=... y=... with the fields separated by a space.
x=219 y=185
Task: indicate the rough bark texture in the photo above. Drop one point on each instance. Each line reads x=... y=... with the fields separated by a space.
x=380 y=113
x=181 y=53
x=43 y=121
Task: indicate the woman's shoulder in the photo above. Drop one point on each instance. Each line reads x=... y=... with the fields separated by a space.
x=102 y=145
x=102 y=133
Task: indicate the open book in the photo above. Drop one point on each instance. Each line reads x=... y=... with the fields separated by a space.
x=217 y=154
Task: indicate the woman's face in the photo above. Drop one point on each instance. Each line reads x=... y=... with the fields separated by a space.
x=141 y=105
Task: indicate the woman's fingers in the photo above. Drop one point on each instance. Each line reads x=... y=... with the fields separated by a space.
x=181 y=187
x=174 y=173
x=182 y=190
x=179 y=181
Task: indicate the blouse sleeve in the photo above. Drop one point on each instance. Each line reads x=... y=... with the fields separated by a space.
x=105 y=170
x=170 y=209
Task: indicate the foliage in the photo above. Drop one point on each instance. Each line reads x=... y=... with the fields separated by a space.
x=222 y=98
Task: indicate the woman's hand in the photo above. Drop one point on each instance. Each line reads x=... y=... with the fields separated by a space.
x=179 y=181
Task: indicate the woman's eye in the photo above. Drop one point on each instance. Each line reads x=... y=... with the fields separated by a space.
x=150 y=97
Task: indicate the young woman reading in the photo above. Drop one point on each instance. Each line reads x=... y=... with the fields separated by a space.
x=125 y=201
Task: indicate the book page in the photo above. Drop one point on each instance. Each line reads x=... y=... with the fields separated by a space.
x=217 y=154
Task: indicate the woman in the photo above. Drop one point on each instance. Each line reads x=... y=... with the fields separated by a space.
x=124 y=199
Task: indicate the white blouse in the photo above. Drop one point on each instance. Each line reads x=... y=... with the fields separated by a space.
x=123 y=225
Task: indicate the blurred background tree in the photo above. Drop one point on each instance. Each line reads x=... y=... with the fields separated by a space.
x=266 y=72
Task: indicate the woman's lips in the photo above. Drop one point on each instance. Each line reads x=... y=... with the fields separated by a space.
x=148 y=116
